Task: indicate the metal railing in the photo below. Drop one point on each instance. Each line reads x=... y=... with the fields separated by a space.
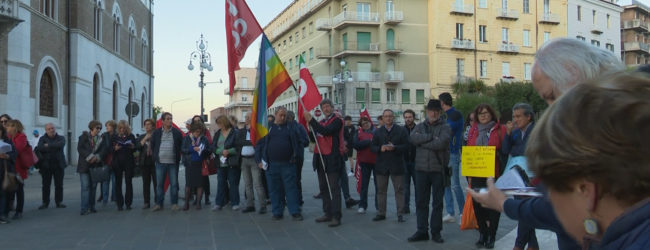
x=323 y=80
x=506 y=13
x=631 y=46
x=504 y=47
x=462 y=8
x=462 y=44
x=636 y=23
x=394 y=76
x=370 y=17
x=393 y=16
x=354 y=46
x=366 y=76
x=323 y=24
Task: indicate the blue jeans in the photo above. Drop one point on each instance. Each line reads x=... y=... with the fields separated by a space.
x=106 y=185
x=282 y=183
x=228 y=178
x=366 y=170
x=409 y=175
x=454 y=164
x=161 y=172
x=87 y=192
x=345 y=187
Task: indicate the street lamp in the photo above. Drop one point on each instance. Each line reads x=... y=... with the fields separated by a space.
x=181 y=100
x=203 y=58
x=340 y=78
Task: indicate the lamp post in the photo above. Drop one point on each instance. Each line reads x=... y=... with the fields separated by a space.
x=340 y=78
x=204 y=60
x=181 y=100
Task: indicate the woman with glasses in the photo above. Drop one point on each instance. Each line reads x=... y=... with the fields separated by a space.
x=123 y=145
x=4 y=118
x=147 y=162
x=90 y=147
x=107 y=137
x=7 y=161
x=486 y=132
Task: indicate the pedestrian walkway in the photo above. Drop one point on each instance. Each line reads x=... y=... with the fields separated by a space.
x=142 y=229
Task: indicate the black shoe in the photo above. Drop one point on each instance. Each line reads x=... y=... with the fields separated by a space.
x=435 y=237
x=17 y=216
x=93 y=211
x=489 y=244
x=248 y=210
x=262 y=210
x=407 y=211
x=334 y=223
x=379 y=217
x=349 y=203
x=323 y=219
x=276 y=217
x=120 y=208
x=3 y=220
x=207 y=202
x=418 y=237
x=318 y=196
x=400 y=218
x=297 y=217
x=128 y=207
x=85 y=213
x=146 y=206
x=481 y=241
x=44 y=206
x=61 y=205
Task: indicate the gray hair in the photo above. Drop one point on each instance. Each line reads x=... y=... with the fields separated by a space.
x=291 y=115
x=528 y=110
x=280 y=108
x=569 y=61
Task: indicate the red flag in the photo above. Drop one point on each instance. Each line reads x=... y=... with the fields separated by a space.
x=301 y=118
x=364 y=113
x=309 y=94
x=241 y=30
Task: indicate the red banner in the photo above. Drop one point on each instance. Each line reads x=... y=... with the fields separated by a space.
x=241 y=30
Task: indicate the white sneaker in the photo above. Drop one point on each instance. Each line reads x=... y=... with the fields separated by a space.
x=216 y=207
x=460 y=217
x=449 y=219
x=361 y=210
x=235 y=208
x=175 y=208
x=350 y=174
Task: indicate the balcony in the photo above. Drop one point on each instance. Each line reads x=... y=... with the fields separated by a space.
x=508 y=79
x=393 y=48
x=322 y=53
x=324 y=24
x=247 y=88
x=507 y=14
x=636 y=24
x=354 y=48
x=366 y=76
x=8 y=16
x=508 y=48
x=550 y=18
x=323 y=80
x=239 y=104
x=462 y=44
x=636 y=46
x=347 y=18
x=462 y=9
x=393 y=77
x=393 y=17
x=597 y=30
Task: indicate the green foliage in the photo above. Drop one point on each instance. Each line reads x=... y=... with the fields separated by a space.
x=508 y=94
x=469 y=86
x=156 y=110
x=466 y=103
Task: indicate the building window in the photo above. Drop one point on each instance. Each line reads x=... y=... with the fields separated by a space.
x=483 y=65
x=579 y=13
x=526 y=6
x=547 y=36
x=116 y=34
x=460 y=67
x=304 y=56
x=419 y=96
x=482 y=4
x=482 y=34
x=610 y=47
x=244 y=82
x=132 y=46
x=595 y=43
x=290 y=40
x=304 y=32
x=142 y=108
x=505 y=69
x=406 y=96
x=130 y=101
x=609 y=24
x=311 y=27
x=96 y=97
x=360 y=95
x=97 y=20
x=376 y=95
x=593 y=13
x=145 y=53
x=504 y=4
x=390 y=95
x=527 y=71
x=459 y=31
x=115 y=95
x=582 y=38
x=48 y=8
x=526 y=37
x=244 y=98
x=284 y=44
x=504 y=35
x=290 y=63
x=46 y=102
x=311 y=53
x=297 y=62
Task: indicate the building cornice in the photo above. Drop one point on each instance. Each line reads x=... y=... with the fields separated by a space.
x=295 y=23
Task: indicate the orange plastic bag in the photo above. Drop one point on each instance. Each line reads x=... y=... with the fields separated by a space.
x=468 y=220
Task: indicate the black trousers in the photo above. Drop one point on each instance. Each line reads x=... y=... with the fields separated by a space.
x=429 y=183
x=331 y=205
x=299 y=179
x=148 y=177
x=127 y=197
x=487 y=219
x=47 y=174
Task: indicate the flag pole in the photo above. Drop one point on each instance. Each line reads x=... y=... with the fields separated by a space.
x=322 y=165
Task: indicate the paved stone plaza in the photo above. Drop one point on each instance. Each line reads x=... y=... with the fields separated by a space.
x=142 y=229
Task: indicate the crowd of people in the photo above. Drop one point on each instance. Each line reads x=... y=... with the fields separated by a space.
x=587 y=153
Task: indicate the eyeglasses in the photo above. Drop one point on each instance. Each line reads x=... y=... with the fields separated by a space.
x=484 y=113
x=98 y=128
x=4 y=121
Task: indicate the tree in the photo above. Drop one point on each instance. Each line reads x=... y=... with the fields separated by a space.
x=469 y=86
x=156 y=110
x=507 y=94
x=466 y=103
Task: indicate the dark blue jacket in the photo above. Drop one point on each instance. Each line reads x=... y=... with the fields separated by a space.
x=515 y=145
x=456 y=121
x=631 y=230
x=538 y=212
x=295 y=141
x=178 y=142
x=10 y=162
x=303 y=139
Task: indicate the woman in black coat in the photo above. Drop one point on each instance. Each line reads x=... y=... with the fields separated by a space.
x=123 y=164
x=7 y=161
x=90 y=148
x=195 y=148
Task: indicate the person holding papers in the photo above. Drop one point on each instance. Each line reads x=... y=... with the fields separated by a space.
x=229 y=173
x=514 y=145
x=7 y=161
x=487 y=132
x=196 y=149
x=123 y=164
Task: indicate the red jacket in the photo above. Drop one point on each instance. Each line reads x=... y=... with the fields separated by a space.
x=22 y=150
x=365 y=155
x=497 y=133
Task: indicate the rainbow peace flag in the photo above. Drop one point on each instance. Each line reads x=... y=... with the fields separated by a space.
x=273 y=79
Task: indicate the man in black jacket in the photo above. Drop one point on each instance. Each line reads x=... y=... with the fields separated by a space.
x=166 y=145
x=330 y=140
x=52 y=164
x=389 y=142
x=409 y=158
